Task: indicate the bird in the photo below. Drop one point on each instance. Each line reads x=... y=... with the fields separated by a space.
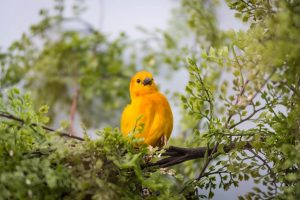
x=149 y=115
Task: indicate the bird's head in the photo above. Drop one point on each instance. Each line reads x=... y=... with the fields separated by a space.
x=142 y=83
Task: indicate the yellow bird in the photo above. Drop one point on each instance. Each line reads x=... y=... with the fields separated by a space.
x=149 y=109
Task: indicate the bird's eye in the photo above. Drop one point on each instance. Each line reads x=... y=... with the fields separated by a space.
x=138 y=80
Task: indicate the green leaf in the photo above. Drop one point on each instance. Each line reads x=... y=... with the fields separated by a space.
x=44 y=109
x=221 y=148
x=190 y=61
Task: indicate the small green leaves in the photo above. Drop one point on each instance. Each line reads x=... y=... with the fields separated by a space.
x=210 y=195
x=190 y=61
x=221 y=148
x=199 y=99
x=212 y=52
x=183 y=99
x=107 y=166
x=170 y=42
x=231 y=98
x=44 y=109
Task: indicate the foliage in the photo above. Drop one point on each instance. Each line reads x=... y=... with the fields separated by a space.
x=202 y=20
x=70 y=64
x=257 y=114
x=39 y=165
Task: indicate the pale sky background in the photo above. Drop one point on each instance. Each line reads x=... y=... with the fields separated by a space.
x=112 y=17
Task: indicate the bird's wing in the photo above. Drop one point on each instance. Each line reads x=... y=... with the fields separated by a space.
x=137 y=116
x=162 y=123
x=125 y=120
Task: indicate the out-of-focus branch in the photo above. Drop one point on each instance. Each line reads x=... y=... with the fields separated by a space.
x=87 y=25
x=11 y=117
x=73 y=111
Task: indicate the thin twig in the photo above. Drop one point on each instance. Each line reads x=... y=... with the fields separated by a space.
x=73 y=110
x=11 y=117
x=176 y=155
x=263 y=85
x=247 y=3
x=247 y=118
x=272 y=173
x=238 y=62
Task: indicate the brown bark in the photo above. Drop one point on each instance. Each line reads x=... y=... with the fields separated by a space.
x=175 y=155
x=72 y=131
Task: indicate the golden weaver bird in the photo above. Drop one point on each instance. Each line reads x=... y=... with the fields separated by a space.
x=148 y=109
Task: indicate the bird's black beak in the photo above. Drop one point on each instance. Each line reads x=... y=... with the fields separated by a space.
x=147 y=81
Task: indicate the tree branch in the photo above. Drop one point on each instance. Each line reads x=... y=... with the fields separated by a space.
x=247 y=118
x=176 y=155
x=11 y=117
x=73 y=111
x=265 y=163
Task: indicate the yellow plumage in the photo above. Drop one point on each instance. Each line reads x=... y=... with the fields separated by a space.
x=148 y=109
